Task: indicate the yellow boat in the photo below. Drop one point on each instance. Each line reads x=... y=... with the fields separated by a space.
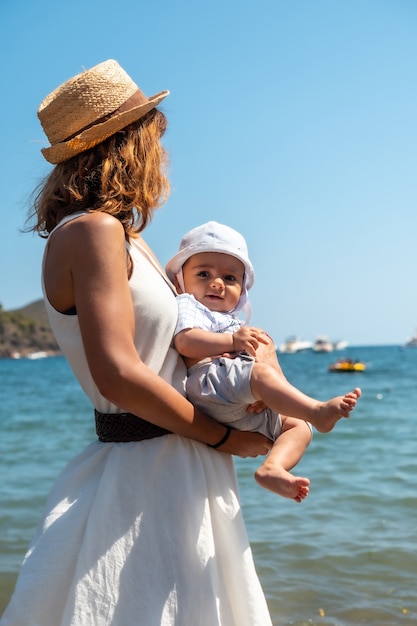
x=347 y=365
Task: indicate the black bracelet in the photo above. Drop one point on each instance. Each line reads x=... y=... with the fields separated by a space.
x=222 y=440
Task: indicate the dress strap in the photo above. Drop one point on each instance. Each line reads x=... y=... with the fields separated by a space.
x=68 y=218
x=145 y=252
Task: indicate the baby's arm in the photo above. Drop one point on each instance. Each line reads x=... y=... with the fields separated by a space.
x=247 y=339
x=199 y=344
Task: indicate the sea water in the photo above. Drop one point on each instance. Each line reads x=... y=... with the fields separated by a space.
x=347 y=555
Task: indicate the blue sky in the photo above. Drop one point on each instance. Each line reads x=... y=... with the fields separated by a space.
x=294 y=121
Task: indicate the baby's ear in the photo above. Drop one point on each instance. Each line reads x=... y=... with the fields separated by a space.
x=177 y=285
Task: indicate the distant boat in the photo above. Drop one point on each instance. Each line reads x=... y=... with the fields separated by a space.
x=323 y=344
x=411 y=342
x=37 y=355
x=340 y=345
x=294 y=344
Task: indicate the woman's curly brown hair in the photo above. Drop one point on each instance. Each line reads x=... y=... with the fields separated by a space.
x=124 y=176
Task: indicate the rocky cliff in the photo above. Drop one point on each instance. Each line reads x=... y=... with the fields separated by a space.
x=25 y=332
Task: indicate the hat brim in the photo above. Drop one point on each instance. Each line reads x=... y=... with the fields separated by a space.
x=99 y=132
x=175 y=264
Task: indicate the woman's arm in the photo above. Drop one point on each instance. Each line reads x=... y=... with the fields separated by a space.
x=92 y=254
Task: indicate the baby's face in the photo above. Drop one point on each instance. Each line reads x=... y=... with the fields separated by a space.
x=214 y=279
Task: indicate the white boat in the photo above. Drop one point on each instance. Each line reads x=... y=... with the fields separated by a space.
x=294 y=344
x=411 y=342
x=33 y=356
x=340 y=345
x=322 y=344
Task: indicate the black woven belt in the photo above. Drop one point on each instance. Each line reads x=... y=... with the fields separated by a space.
x=125 y=427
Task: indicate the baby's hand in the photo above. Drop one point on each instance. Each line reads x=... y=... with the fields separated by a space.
x=247 y=339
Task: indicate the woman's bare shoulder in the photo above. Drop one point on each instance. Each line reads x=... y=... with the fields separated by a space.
x=94 y=220
x=96 y=226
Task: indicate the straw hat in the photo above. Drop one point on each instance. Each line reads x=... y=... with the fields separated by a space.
x=90 y=107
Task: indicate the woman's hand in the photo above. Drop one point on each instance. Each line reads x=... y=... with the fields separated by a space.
x=244 y=444
x=265 y=353
x=256 y=407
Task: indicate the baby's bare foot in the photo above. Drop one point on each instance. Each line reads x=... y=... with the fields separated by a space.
x=328 y=413
x=277 y=479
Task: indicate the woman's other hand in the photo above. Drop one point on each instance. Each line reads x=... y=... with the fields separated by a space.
x=246 y=444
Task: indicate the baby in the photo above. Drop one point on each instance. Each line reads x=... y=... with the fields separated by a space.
x=212 y=273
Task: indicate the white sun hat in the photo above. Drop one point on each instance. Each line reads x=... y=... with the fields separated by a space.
x=214 y=237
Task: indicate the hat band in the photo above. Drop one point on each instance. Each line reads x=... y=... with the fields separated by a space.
x=135 y=100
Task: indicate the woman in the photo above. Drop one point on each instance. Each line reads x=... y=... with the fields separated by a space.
x=144 y=526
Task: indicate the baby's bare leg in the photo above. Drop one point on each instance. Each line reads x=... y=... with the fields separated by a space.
x=286 y=452
x=269 y=385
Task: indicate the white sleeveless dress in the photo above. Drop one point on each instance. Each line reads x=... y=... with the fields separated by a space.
x=143 y=533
